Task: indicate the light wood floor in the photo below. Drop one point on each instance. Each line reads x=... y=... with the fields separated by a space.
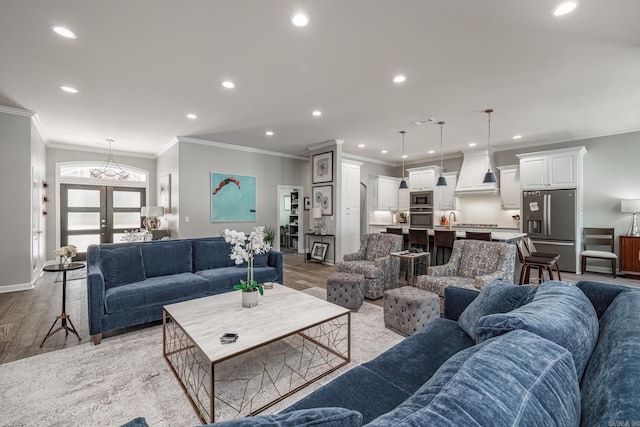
x=25 y=317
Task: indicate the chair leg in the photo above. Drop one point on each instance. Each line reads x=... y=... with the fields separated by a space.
x=527 y=276
x=584 y=264
x=558 y=271
x=521 y=281
x=613 y=268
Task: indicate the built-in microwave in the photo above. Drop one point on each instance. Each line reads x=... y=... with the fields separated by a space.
x=421 y=218
x=422 y=199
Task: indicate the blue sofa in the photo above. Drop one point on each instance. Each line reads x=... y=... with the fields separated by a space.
x=129 y=283
x=561 y=354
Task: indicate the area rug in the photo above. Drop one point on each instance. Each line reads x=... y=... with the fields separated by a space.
x=73 y=275
x=126 y=377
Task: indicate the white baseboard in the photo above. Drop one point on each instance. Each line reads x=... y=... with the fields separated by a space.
x=16 y=287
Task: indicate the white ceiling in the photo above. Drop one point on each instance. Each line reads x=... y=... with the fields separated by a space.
x=142 y=65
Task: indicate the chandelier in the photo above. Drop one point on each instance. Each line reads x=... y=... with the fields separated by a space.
x=110 y=169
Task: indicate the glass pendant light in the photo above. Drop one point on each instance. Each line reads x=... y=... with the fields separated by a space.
x=489 y=176
x=403 y=183
x=442 y=182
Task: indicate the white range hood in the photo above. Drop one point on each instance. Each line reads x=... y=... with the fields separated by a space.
x=474 y=166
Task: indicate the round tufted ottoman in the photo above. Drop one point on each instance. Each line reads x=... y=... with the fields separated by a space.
x=409 y=309
x=346 y=290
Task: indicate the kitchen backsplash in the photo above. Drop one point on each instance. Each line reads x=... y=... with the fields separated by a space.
x=483 y=210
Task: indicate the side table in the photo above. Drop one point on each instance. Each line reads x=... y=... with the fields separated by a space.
x=423 y=259
x=64 y=317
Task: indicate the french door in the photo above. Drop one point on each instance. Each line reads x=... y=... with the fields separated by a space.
x=92 y=214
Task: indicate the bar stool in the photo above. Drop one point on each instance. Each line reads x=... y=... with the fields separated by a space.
x=528 y=243
x=478 y=235
x=540 y=263
x=418 y=238
x=442 y=239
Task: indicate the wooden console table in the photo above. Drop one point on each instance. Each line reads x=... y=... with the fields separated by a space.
x=629 y=252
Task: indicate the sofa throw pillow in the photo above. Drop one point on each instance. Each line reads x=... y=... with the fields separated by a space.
x=316 y=417
x=121 y=266
x=496 y=297
x=209 y=253
x=559 y=312
x=165 y=257
x=515 y=379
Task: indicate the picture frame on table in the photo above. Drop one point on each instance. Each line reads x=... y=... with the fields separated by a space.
x=319 y=250
x=322 y=167
x=307 y=203
x=322 y=197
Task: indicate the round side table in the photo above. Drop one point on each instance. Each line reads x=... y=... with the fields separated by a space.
x=64 y=317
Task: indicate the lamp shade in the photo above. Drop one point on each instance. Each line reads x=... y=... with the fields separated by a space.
x=316 y=213
x=151 y=211
x=403 y=184
x=630 y=205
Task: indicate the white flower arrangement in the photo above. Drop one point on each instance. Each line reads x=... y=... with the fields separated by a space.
x=66 y=251
x=243 y=250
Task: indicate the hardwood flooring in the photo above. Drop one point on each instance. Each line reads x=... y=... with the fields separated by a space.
x=25 y=317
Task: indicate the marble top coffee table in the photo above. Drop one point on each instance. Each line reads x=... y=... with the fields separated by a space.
x=286 y=342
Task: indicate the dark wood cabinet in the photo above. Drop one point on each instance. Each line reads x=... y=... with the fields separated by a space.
x=630 y=256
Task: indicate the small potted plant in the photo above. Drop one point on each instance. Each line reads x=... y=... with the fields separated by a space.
x=66 y=253
x=244 y=249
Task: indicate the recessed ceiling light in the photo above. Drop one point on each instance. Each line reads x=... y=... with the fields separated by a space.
x=399 y=78
x=431 y=151
x=472 y=144
x=269 y=133
x=517 y=136
x=192 y=116
x=63 y=31
x=384 y=151
x=300 y=20
x=404 y=156
x=564 y=8
x=317 y=113
x=69 y=89
x=228 y=84
x=360 y=145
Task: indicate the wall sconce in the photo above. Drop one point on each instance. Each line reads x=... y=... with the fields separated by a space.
x=151 y=214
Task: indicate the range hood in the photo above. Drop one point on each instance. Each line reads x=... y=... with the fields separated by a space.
x=474 y=167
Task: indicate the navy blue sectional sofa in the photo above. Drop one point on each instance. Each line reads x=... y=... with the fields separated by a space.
x=129 y=283
x=558 y=355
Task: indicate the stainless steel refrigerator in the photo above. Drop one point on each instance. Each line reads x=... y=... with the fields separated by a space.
x=549 y=218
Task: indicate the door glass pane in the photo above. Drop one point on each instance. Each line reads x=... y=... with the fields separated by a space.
x=82 y=241
x=126 y=199
x=84 y=198
x=83 y=220
x=126 y=220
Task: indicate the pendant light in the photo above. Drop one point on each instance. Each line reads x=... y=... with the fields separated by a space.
x=442 y=182
x=110 y=169
x=489 y=176
x=403 y=183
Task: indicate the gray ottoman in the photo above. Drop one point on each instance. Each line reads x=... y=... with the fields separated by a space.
x=409 y=309
x=346 y=290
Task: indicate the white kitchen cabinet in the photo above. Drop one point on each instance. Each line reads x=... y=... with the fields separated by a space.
x=422 y=179
x=551 y=169
x=510 y=192
x=384 y=193
x=446 y=198
x=349 y=232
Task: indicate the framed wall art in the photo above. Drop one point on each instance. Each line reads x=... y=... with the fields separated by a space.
x=165 y=193
x=323 y=199
x=322 y=167
x=307 y=203
x=233 y=197
x=319 y=250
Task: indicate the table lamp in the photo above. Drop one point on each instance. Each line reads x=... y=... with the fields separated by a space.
x=632 y=206
x=316 y=213
x=151 y=214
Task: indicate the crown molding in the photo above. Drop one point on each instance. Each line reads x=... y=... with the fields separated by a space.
x=326 y=144
x=367 y=159
x=166 y=148
x=17 y=111
x=86 y=148
x=238 y=148
x=35 y=120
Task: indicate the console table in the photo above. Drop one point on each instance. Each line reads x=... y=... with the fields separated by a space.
x=307 y=247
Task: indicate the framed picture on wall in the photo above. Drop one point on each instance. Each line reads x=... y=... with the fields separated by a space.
x=233 y=197
x=322 y=167
x=323 y=199
x=319 y=250
x=307 y=203
x=165 y=193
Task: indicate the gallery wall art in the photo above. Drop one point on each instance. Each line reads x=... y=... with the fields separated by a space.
x=323 y=198
x=323 y=167
x=233 y=197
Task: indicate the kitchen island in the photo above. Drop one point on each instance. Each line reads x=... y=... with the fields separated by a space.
x=500 y=235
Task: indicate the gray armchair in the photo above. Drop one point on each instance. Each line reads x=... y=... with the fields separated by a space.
x=373 y=261
x=473 y=264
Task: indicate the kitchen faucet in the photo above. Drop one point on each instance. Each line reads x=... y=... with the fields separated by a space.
x=454 y=218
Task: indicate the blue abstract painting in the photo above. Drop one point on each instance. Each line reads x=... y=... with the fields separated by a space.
x=233 y=197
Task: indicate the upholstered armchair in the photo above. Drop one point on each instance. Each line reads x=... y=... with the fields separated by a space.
x=373 y=261
x=473 y=264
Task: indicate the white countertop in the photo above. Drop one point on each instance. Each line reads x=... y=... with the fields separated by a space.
x=497 y=235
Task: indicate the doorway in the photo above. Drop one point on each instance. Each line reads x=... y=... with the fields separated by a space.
x=93 y=214
x=290 y=219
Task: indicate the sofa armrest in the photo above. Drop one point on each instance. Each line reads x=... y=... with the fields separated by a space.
x=356 y=256
x=481 y=281
x=442 y=270
x=95 y=290
x=456 y=300
x=275 y=260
